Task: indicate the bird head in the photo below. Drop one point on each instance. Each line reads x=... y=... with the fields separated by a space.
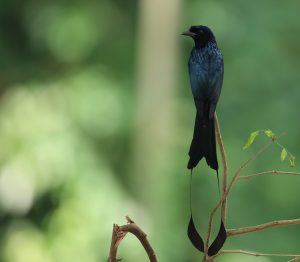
x=201 y=35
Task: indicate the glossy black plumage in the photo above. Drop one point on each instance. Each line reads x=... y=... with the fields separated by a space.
x=206 y=76
x=206 y=72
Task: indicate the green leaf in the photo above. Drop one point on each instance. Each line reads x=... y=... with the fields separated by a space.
x=251 y=139
x=283 y=154
x=269 y=133
x=292 y=160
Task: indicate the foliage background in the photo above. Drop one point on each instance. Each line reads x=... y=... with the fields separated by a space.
x=88 y=134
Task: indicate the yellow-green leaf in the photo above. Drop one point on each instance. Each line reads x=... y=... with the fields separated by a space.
x=292 y=160
x=269 y=133
x=283 y=154
x=251 y=139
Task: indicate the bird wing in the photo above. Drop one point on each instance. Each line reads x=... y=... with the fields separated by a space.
x=206 y=82
x=198 y=77
x=216 y=74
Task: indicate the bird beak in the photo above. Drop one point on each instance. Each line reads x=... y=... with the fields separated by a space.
x=188 y=33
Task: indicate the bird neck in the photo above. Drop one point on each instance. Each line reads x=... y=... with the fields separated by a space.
x=207 y=45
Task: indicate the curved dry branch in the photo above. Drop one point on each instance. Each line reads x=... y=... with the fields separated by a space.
x=119 y=232
x=225 y=167
x=279 y=223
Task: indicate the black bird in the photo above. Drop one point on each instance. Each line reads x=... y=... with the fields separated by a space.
x=206 y=72
x=206 y=76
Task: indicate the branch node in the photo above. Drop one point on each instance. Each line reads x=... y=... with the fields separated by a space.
x=129 y=220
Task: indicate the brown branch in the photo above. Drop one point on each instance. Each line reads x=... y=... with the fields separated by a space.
x=256 y=254
x=119 y=232
x=225 y=167
x=224 y=185
x=271 y=172
x=244 y=230
x=224 y=196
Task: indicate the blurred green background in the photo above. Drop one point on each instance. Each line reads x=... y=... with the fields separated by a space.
x=96 y=118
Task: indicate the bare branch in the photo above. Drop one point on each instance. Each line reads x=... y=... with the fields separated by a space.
x=271 y=172
x=119 y=232
x=256 y=254
x=225 y=167
x=244 y=230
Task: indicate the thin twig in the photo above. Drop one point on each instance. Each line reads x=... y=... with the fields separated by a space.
x=271 y=172
x=225 y=167
x=119 y=232
x=237 y=173
x=279 y=223
x=256 y=254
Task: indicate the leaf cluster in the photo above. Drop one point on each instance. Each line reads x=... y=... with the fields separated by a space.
x=271 y=135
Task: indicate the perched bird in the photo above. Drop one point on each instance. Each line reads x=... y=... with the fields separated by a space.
x=206 y=72
x=206 y=76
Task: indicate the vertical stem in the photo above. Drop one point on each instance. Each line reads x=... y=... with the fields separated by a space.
x=225 y=167
x=224 y=186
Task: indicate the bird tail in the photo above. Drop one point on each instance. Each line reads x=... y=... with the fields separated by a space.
x=203 y=143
